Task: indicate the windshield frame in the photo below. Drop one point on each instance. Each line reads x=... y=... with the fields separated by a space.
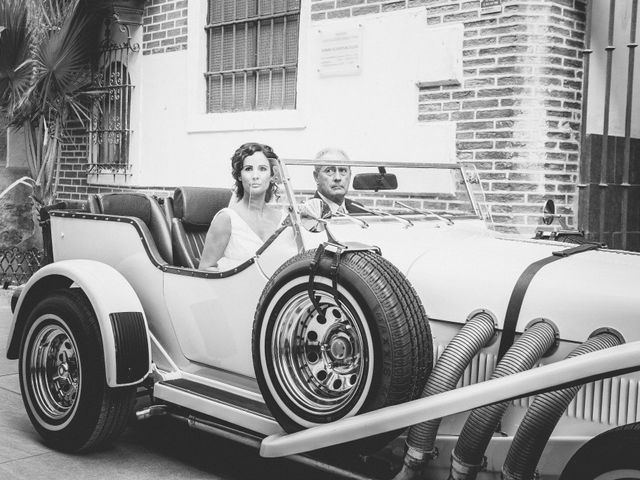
x=289 y=187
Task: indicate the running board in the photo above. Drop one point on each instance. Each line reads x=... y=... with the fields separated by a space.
x=245 y=413
x=230 y=432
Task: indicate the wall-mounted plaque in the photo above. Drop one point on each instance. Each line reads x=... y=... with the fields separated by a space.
x=340 y=51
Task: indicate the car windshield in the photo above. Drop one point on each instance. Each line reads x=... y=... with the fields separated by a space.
x=428 y=190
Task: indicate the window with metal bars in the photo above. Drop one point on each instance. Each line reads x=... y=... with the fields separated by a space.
x=110 y=130
x=252 y=55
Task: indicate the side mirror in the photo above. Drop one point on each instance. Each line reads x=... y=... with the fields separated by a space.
x=548 y=212
x=312 y=214
x=375 y=181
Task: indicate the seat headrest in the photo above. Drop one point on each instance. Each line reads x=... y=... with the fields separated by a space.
x=129 y=204
x=198 y=205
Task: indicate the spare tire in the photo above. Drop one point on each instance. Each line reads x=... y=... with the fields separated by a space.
x=369 y=348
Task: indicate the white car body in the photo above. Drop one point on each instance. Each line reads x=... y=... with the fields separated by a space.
x=200 y=328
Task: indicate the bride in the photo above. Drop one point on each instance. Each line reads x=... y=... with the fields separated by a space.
x=238 y=231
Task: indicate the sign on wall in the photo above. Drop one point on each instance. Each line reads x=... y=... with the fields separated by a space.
x=340 y=51
x=490 y=6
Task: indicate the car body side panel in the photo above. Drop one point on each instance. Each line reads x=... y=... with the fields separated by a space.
x=213 y=317
x=586 y=292
x=402 y=244
x=579 y=293
x=459 y=268
x=120 y=245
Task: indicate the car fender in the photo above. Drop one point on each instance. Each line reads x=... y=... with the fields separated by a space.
x=123 y=325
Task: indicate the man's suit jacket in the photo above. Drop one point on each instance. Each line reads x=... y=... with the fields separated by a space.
x=350 y=205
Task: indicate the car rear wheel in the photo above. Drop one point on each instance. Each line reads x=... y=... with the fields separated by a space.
x=612 y=455
x=368 y=346
x=62 y=376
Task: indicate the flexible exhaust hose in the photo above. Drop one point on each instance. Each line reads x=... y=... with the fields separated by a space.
x=543 y=415
x=466 y=459
x=445 y=375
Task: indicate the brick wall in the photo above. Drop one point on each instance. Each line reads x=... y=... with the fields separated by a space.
x=72 y=173
x=164 y=26
x=517 y=112
x=164 y=30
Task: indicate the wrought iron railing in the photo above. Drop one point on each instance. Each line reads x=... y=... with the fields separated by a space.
x=110 y=130
x=17 y=266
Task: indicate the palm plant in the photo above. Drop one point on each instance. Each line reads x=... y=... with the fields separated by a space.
x=45 y=54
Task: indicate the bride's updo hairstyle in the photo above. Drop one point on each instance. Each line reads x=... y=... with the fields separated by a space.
x=237 y=162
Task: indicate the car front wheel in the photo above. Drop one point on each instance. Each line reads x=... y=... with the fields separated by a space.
x=62 y=376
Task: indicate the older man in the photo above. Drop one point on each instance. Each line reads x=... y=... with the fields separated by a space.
x=333 y=183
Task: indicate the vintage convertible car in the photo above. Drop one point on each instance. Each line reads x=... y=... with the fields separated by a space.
x=507 y=357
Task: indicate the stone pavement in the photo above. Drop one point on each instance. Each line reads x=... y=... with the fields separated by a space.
x=150 y=450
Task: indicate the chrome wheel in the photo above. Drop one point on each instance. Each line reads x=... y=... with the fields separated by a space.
x=320 y=359
x=62 y=375
x=55 y=371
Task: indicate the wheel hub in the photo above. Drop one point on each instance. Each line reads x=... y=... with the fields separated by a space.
x=341 y=351
x=55 y=371
x=339 y=348
x=318 y=355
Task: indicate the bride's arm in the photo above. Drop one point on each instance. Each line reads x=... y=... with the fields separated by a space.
x=216 y=241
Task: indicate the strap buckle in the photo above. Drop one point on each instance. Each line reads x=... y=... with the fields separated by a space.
x=335 y=250
x=585 y=247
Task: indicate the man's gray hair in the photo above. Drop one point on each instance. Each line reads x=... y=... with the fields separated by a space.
x=329 y=151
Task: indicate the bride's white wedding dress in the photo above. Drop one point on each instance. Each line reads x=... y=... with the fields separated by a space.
x=243 y=242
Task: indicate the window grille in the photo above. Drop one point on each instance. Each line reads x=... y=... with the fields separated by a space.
x=110 y=129
x=252 y=54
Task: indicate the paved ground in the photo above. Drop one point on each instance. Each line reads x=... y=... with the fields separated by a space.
x=165 y=449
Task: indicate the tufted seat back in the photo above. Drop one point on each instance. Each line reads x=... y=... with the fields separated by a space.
x=141 y=206
x=193 y=210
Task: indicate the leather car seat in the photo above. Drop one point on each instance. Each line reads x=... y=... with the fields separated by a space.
x=167 y=208
x=138 y=205
x=92 y=203
x=194 y=209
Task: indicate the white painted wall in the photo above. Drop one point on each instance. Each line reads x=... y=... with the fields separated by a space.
x=597 y=71
x=371 y=114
